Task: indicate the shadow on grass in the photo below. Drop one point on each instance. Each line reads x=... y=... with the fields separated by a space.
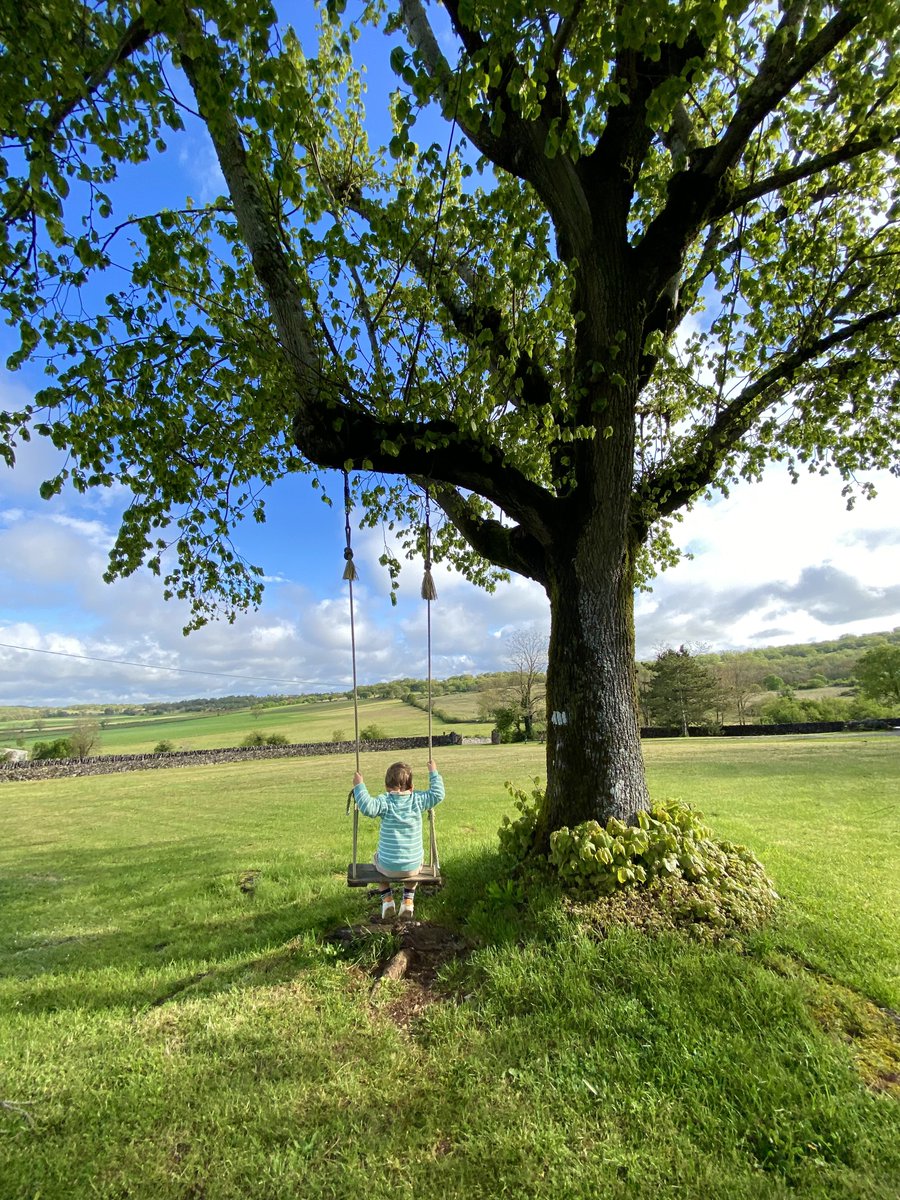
x=144 y=925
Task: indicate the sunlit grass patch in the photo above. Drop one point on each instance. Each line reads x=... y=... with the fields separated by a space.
x=169 y=1032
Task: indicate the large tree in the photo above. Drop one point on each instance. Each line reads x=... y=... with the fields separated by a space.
x=654 y=248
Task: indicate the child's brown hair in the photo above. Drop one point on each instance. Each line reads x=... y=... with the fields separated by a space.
x=399 y=775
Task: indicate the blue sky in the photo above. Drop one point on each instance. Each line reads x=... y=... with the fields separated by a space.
x=773 y=563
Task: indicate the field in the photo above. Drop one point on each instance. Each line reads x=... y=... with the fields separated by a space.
x=165 y=1034
x=316 y=722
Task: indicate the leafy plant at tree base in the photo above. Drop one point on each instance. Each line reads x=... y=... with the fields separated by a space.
x=666 y=871
x=517 y=836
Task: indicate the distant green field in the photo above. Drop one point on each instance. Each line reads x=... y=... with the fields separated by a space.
x=308 y=722
x=168 y=1035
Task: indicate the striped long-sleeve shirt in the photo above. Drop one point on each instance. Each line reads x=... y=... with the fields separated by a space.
x=400 y=836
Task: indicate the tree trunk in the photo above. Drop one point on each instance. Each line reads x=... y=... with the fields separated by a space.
x=595 y=768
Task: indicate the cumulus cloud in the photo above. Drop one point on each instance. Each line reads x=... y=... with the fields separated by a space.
x=773 y=563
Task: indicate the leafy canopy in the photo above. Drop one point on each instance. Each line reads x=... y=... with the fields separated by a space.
x=647 y=242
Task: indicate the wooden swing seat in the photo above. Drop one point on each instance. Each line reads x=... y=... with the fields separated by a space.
x=364 y=874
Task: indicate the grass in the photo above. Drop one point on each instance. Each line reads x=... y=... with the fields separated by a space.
x=317 y=722
x=164 y=1034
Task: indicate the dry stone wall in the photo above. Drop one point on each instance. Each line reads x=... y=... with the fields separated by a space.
x=109 y=764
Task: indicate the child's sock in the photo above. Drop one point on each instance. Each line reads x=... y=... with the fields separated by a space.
x=387 y=902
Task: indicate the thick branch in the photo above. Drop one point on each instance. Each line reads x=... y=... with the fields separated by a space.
x=520 y=148
x=511 y=549
x=618 y=159
x=258 y=226
x=672 y=488
x=330 y=425
x=778 y=74
x=565 y=30
x=434 y=449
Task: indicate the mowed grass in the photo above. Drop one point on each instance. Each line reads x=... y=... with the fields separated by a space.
x=165 y=1034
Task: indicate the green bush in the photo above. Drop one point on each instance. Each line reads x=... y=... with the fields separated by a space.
x=257 y=739
x=61 y=748
x=164 y=747
x=372 y=733
x=517 y=836
x=665 y=872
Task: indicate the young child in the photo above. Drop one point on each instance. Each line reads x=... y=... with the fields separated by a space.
x=399 y=850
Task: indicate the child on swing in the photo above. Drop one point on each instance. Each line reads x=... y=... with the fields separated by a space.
x=399 y=852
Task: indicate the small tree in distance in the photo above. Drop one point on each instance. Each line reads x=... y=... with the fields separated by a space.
x=517 y=704
x=84 y=738
x=682 y=690
x=878 y=673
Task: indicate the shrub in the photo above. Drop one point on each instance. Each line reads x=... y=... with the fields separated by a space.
x=257 y=739
x=664 y=872
x=61 y=748
x=338 y=735
x=517 y=836
x=372 y=733
x=164 y=747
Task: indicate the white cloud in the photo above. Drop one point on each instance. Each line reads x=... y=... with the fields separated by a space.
x=773 y=563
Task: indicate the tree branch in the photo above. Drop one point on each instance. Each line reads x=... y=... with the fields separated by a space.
x=670 y=489
x=779 y=72
x=511 y=549
x=331 y=424
x=565 y=30
x=474 y=318
x=695 y=193
x=257 y=224
x=134 y=38
x=520 y=148
x=803 y=170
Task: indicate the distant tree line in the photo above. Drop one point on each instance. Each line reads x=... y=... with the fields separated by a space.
x=750 y=686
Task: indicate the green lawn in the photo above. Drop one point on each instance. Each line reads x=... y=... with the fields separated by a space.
x=164 y=1034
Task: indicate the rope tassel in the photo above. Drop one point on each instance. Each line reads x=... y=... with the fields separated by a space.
x=429 y=591
x=350 y=572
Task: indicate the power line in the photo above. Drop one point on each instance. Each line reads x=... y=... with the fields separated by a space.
x=124 y=662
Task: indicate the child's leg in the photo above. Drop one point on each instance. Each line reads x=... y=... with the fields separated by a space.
x=409 y=895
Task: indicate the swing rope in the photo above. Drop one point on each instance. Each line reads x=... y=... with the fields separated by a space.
x=350 y=573
x=429 y=593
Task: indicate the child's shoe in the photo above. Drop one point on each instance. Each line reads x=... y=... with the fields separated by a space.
x=406 y=909
x=388 y=909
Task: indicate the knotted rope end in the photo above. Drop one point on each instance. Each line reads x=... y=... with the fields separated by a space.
x=429 y=591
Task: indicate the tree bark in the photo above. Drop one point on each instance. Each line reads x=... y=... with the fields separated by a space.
x=595 y=767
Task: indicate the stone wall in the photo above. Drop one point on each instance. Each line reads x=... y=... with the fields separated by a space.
x=872 y=724
x=109 y=764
